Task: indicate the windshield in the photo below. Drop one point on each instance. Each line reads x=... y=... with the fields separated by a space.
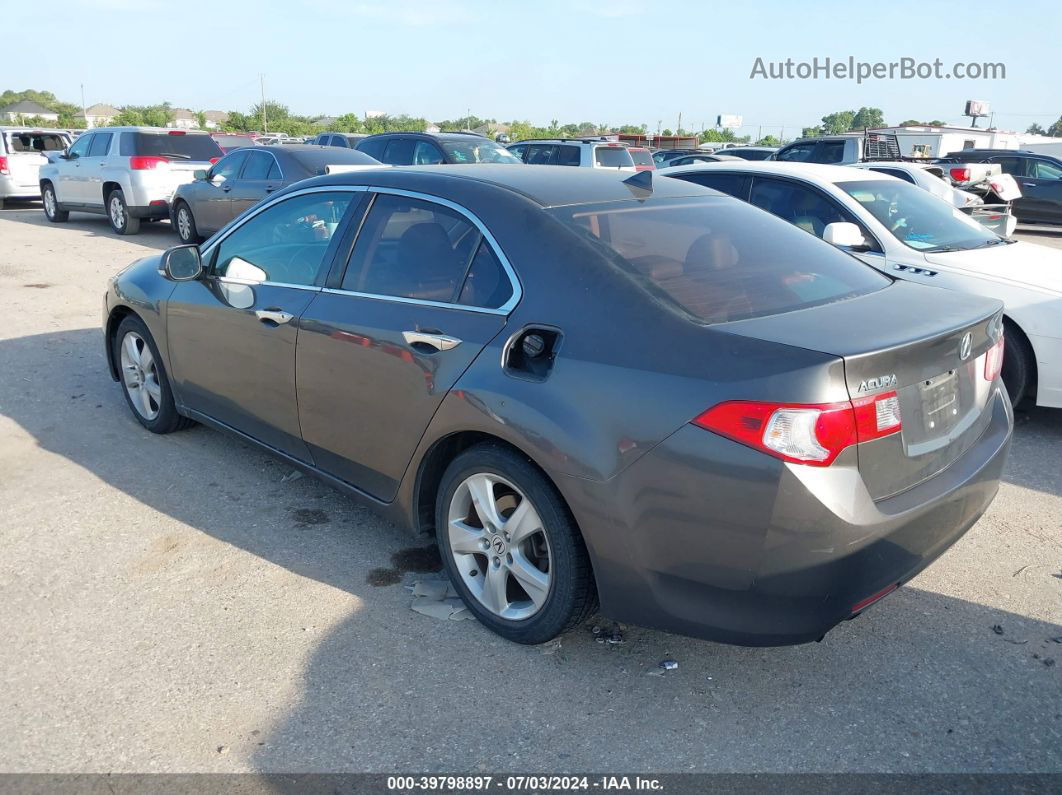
x=719 y=259
x=917 y=218
x=641 y=157
x=36 y=142
x=482 y=151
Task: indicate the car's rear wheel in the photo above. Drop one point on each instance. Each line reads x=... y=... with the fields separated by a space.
x=1018 y=364
x=143 y=376
x=511 y=546
x=185 y=223
x=118 y=214
x=51 y=206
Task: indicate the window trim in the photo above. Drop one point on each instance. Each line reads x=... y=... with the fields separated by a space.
x=485 y=236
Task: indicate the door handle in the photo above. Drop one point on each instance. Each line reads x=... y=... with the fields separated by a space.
x=226 y=188
x=268 y=316
x=440 y=342
x=270 y=188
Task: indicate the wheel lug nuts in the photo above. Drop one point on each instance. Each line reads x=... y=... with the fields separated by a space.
x=509 y=558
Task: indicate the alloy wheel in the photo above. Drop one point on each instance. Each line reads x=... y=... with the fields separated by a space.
x=117 y=212
x=500 y=548
x=184 y=224
x=140 y=376
x=49 y=202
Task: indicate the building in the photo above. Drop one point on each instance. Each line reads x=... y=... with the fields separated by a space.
x=24 y=110
x=215 y=119
x=926 y=141
x=98 y=115
x=183 y=119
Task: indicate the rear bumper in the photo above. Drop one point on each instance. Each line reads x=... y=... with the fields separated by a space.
x=707 y=538
x=15 y=188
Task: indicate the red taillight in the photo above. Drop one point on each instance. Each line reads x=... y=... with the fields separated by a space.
x=872 y=599
x=3 y=166
x=146 y=162
x=804 y=434
x=994 y=360
x=213 y=160
x=960 y=174
x=176 y=132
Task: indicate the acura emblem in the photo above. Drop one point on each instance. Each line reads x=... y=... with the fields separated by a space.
x=964 y=347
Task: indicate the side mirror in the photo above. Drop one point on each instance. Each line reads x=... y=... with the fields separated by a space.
x=182 y=263
x=846 y=235
x=199 y=173
x=66 y=154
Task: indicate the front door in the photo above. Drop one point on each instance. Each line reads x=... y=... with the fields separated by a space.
x=91 y=169
x=213 y=206
x=68 y=185
x=423 y=293
x=232 y=334
x=259 y=178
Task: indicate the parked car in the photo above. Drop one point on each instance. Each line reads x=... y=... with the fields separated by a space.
x=430 y=341
x=751 y=152
x=342 y=140
x=701 y=157
x=128 y=174
x=1039 y=177
x=230 y=141
x=23 y=150
x=931 y=177
x=580 y=152
x=642 y=157
x=405 y=149
x=841 y=149
x=242 y=178
x=905 y=232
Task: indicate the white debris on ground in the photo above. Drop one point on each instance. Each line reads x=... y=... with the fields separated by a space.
x=438 y=599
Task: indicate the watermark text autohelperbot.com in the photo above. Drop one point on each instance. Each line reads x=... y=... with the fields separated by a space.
x=851 y=69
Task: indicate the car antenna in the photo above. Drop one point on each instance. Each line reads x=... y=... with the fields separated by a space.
x=642 y=181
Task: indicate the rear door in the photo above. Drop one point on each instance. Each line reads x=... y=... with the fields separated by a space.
x=232 y=333
x=1041 y=189
x=424 y=290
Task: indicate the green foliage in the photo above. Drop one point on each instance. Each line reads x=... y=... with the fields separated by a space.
x=867 y=117
x=1036 y=129
x=667 y=131
x=143 y=116
x=837 y=123
x=1055 y=130
x=810 y=132
x=718 y=136
x=768 y=140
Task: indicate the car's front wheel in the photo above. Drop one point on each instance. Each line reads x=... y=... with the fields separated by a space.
x=511 y=546
x=118 y=213
x=143 y=376
x=185 y=223
x=51 y=205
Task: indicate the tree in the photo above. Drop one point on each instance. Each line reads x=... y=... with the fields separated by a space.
x=768 y=140
x=1055 y=130
x=1036 y=129
x=201 y=119
x=867 y=117
x=810 y=132
x=917 y=123
x=837 y=123
x=275 y=113
x=717 y=136
x=667 y=132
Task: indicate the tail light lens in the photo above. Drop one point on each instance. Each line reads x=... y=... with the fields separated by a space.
x=213 y=160
x=3 y=166
x=960 y=174
x=146 y=162
x=176 y=132
x=804 y=434
x=994 y=360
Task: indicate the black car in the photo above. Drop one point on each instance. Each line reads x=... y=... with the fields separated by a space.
x=429 y=149
x=245 y=176
x=748 y=152
x=342 y=140
x=586 y=385
x=1039 y=177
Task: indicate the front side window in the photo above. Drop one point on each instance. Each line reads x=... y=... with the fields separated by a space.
x=917 y=218
x=478 y=151
x=408 y=248
x=229 y=166
x=81 y=146
x=830 y=152
x=519 y=150
x=717 y=259
x=426 y=154
x=1045 y=169
x=101 y=143
x=285 y=243
x=399 y=152
x=800 y=205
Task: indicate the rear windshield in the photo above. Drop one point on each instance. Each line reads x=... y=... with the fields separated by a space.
x=720 y=259
x=641 y=157
x=613 y=157
x=35 y=142
x=182 y=147
x=233 y=141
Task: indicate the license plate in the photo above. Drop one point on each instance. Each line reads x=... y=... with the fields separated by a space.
x=940 y=401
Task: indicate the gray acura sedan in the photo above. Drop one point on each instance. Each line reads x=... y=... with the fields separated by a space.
x=635 y=392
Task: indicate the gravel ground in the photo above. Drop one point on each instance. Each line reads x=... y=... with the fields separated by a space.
x=180 y=603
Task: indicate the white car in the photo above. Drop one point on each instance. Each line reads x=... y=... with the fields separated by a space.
x=908 y=233
x=23 y=150
x=585 y=152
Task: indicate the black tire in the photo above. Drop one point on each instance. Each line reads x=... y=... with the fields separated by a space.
x=121 y=221
x=193 y=236
x=54 y=214
x=572 y=595
x=1019 y=365
x=167 y=420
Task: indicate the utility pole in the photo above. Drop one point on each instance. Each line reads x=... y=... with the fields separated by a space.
x=83 y=112
x=678 y=130
x=261 y=81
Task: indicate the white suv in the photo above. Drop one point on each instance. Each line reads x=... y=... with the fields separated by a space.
x=584 y=152
x=127 y=173
x=22 y=153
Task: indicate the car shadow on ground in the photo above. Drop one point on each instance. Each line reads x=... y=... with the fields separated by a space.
x=921 y=682
x=156 y=234
x=1037 y=439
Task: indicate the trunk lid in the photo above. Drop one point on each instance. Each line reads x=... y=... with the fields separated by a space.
x=926 y=345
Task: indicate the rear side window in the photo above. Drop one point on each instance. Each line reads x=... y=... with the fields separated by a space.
x=408 y=248
x=797 y=153
x=717 y=259
x=176 y=145
x=101 y=143
x=730 y=184
x=613 y=157
x=641 y=157
x=35 y=142
x=258 y=165
x=539 y=154
x=830 y=152
x=486 y=284
x=566 y=155
x=399 y=152
x=373 y=147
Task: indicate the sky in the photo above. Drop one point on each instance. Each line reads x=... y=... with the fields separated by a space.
x=602 y=61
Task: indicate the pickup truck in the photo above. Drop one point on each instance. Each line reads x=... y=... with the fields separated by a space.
x=841 y=149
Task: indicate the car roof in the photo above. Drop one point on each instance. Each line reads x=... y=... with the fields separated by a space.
x=163 y=130
x=548 y=186
x=441 y=136
x=813 y=171
x=312 y=156
x=751 y=148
